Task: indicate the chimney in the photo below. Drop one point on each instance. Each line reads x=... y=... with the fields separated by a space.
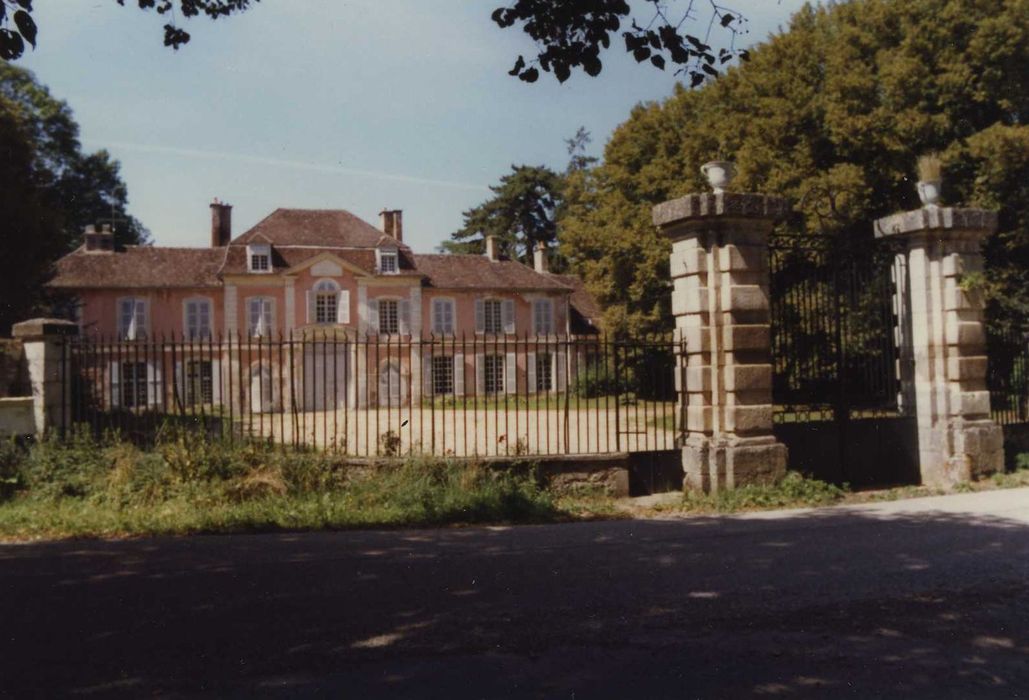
x=539 y=258
x=492 y=248
x=221 y=224
x=392 y=223
x=99 y=242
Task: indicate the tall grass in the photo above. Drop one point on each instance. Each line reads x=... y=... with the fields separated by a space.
x=189 y=482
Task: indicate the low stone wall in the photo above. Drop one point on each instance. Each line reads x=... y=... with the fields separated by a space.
x=16 y=417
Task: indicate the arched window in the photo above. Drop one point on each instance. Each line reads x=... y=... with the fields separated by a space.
x=326 y=302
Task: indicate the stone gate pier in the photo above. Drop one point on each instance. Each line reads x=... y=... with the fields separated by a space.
x=943 y=341
x=719 y=268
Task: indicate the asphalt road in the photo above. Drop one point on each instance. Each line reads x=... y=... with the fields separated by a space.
x=924 y=598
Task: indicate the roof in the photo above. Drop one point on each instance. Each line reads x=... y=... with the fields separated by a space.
x=583 y=304
x=478 y=272
x=313 y=227
x=140 y=266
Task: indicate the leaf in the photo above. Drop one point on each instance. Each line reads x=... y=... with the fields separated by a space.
x=519 y=64
x=592 y=66
x=696 y=78
x=562 y=71
x=530 y=76
x=25 y=4
x=11 y=45
x=727 y=19
x=708 y=69
x=641 y=54
x=26 y=26
x=658 y=61
x=743 y=54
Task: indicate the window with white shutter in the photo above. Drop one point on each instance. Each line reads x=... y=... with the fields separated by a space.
x=543 y=316
x=443 y=316
x=198 y=314
x=260 y=316
x=326 y=302
x=132 y=318
x=493 y=316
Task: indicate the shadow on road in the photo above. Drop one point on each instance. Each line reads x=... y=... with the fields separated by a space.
x=830 y=602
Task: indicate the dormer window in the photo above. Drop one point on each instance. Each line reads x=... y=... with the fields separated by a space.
x=259 y=258
x=388 y=264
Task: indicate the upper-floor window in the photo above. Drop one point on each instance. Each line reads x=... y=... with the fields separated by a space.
x=389 y=316
x=388 y=263
x=326 y=302
x=493 y=316
x=132 y=318
x=259 y=258
x=198 y=318
x=260 y=316
x=543 y=316
x=442 y=315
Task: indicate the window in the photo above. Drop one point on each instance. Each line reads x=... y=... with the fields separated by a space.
x=544 y=372
x=259 y=316
x=326 y=302
x=442 y=375
x=132 y=318
x=543 y=316
x=198 y=319
x=493 y=374
x=133 y=384
x=199 y=382
x=442 y=316
x=259 y=258
x=388 y=262
x=493 y=316
x=389 y=316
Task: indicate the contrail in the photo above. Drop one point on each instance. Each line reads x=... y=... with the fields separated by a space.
x=280 y=163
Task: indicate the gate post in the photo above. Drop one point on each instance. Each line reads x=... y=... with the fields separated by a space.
x=943 y=342
x=48 y=359
x=719 y=267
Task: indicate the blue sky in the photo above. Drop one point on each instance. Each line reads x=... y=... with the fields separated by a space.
x=350 y=104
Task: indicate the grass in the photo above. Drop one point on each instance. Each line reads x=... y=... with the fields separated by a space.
x=188 y=483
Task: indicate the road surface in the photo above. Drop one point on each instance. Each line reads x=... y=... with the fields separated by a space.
x=922 y=598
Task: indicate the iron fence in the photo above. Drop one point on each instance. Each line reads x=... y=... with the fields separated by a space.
x=1007 y=373
x=374 y=396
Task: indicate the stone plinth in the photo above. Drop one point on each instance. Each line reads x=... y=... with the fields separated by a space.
x=943 y=343
x=719 y=267
x=47 y=358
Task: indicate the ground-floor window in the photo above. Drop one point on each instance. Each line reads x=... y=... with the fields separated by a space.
x=442 y=375
x=133 y=384
x=493 y=374
x=544 y=372
x=199 y=382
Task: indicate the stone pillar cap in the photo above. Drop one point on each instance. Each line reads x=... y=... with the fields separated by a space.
x=730 y=205
x=44 y=328
x=978 y=222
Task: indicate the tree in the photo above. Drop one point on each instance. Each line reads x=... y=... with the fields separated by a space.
x=51 y=190
x=520 y=214
x=847 y=98
x=569 y=34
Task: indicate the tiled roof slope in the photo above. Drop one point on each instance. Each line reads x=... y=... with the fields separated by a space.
x=313 y=227
x=478 y=272
x=140 y=266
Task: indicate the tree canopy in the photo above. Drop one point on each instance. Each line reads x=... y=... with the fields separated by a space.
x=846 y=98
x=51 y=190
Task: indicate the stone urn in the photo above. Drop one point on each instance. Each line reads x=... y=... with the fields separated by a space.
x=719 y=174
x=929 y=192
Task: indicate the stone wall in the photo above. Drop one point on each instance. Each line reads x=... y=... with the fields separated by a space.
x=14 y=376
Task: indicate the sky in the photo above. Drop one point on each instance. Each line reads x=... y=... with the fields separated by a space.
x=331 y=104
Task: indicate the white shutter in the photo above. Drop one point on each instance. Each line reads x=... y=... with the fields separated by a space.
x=510 y=373
x=480 y=317
x=459 y=374
x=530 y=371
x=373 y=316
x=427 y=376
x=153 y=384
x=508 y=316
x=404 y=314
x=309 y=297
x=343 y=306
x=216 y=381
x=141 y=319
x=126 y=312
x=436 y=316
x=179 y=400
x=114 y=384
x=192 y=319
x=559 y=367
x=204 y=314
x=480 y=374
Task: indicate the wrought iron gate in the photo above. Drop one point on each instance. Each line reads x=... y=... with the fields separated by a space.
x=836 y=366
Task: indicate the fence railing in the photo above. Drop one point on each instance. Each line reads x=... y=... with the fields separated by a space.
x=386 y=395
x=1007 y=374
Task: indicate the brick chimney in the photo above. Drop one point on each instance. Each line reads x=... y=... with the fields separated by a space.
x=221 y=224
x=99 y=241
x=539 y=258
x=492 y=248
x=392 y=223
